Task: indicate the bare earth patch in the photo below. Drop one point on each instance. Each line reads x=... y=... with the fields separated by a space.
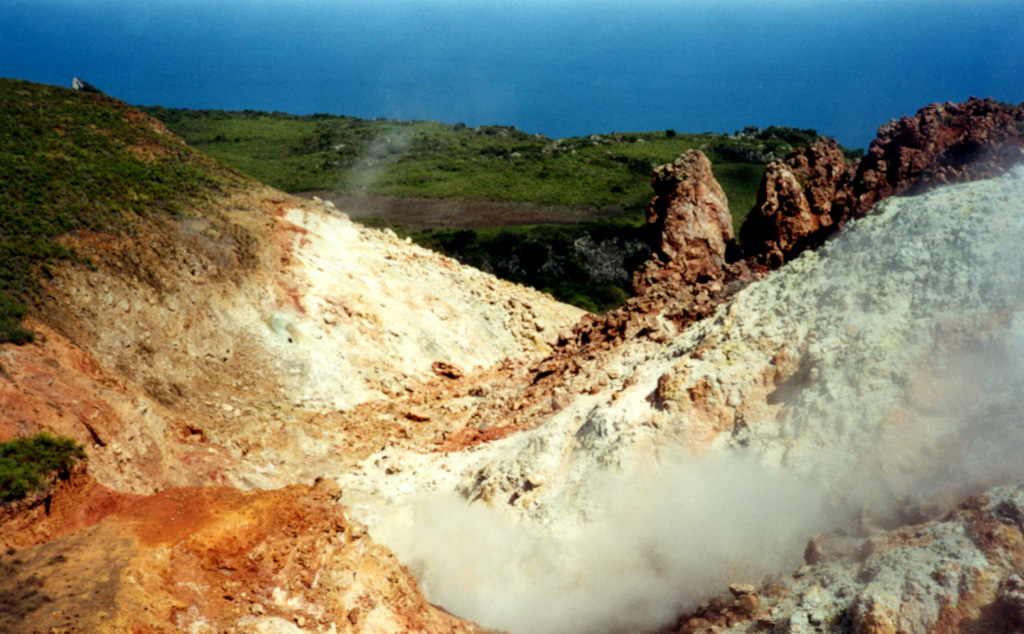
x=422 y=213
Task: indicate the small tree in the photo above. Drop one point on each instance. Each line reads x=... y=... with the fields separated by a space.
x=28 y=464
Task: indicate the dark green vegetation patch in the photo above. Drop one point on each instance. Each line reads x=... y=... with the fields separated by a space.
x=28 y=465
x=78 y=161
x=587 y=265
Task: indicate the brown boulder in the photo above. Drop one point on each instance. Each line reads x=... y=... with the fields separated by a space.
x=690 y=214
x=794 y=208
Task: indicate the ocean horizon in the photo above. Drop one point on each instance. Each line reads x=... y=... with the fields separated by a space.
x=561 y=68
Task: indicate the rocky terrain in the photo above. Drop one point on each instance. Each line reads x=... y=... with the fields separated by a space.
x=812 y=193
x=274 y=400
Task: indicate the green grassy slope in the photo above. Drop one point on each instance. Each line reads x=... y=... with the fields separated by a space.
x=438 y=160
x=71 y=161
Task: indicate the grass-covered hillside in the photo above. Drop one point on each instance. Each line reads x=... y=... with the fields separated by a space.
x=81 y=161
x=427 y=159
x=596 y=186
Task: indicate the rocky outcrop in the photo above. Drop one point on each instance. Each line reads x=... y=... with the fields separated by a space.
x=812 y=193
x=688 y=276
x=962 y=573
x=797 y=203
x=83 y=86
x=942 y=143
x=689 y=217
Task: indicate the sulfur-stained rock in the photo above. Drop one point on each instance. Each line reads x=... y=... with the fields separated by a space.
x=954 y=575
x=1011 y=598
x=876 y=621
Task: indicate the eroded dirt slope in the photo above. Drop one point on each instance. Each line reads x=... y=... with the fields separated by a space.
x=196 y=342
x=217 y=559
x=259 y=341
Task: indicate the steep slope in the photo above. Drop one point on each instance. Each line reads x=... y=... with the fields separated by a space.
x=876 y=375
x=236 y=338
x=253 y=308
x=72 y=161
x=280 y=311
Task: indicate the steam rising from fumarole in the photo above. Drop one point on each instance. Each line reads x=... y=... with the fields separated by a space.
x=383 y=153
x=912 y=327
x=959 y=431
x=657 y=544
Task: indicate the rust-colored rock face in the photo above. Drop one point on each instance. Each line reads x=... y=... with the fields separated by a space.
x=795 y=202
x=942 y=143
x=813 y=193
x=690 y=213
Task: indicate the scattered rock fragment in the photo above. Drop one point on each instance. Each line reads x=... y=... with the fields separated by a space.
x=876 y=621
x=443 y=368
x=741 y=589
x=417 y=415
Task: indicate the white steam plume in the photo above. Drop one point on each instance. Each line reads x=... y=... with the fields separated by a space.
x=911 y=400
x=383 y=153
x=959 y=430
x=660 y=542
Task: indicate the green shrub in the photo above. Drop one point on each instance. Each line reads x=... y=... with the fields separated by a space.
x=28 y=464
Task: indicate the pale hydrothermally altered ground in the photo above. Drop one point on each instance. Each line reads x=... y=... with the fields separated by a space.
x=881 y=369
x=274 y=343
x=258 y=347
x=230 y=331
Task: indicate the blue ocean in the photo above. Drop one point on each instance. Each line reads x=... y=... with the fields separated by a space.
x=559 y=67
